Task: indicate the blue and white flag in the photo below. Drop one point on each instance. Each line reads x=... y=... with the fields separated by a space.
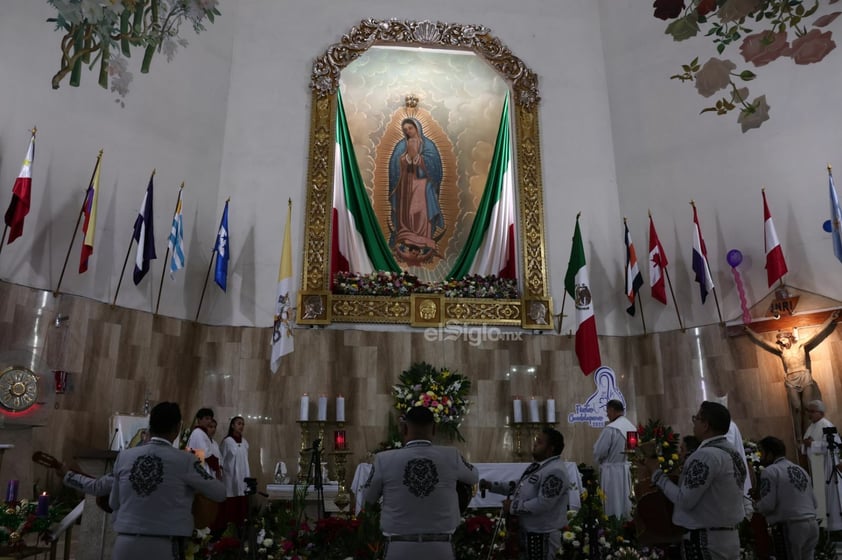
x=176 y=241
x=144 y=235
x=220 y=273
x=835 y=218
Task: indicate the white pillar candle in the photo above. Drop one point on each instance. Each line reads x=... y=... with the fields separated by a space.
x=340 y=408
x=534 y=416
x=321 y=413
x=551 y=411
x=517 y=405
x=304 y=412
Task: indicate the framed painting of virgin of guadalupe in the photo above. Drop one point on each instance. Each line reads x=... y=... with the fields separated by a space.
x=424 y=199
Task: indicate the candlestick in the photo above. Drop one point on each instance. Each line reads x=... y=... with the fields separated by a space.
x=340 y=408
x=304 y=412
x=339 y=442
x=534 y=416
x=631 y=441
x=12 y=491
x=517 y=404
x=43 y=508
x=550 y=411
x=321 y=414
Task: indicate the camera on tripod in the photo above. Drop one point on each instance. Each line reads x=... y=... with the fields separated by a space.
x=830 y=435
x=251 y=486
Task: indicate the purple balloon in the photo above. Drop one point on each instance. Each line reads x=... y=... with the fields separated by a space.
x=827 y=226
x=735 y=257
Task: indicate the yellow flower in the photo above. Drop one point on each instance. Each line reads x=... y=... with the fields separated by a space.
x=584 y=495
x=600 y=493
x=661 y=459
x=568 y=536
x=674 y=457
x=665 y=444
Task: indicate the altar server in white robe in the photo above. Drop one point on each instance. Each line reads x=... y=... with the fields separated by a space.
x=202 y=444
x=235 y=470
x=815 y=447
x=608 y=451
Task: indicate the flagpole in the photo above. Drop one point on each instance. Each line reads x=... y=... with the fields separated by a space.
x=674 y=303
x=205 y=286
x=642 y=319
x=76 y=228
x=6 y=227
x=207 y=275
x=126 y=261
x=167 y=258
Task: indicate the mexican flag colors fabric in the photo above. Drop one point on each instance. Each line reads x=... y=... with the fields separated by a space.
x=577 y=284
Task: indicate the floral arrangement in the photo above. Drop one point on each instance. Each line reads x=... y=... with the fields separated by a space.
x=18 y=519
x=664 y=440
x=402 y=284
x=765 y=31
x=443 y=391
x=480 y=536
x=105 y=32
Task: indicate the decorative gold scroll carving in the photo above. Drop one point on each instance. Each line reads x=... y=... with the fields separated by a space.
x=324 y=82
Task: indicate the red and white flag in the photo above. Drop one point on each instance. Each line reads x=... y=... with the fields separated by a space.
x=21 y=194
x=775 y=263
x=657 y=265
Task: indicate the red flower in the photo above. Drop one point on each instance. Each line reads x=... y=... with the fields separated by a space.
x=705 y=7
x=478 y=523
x=668 y=9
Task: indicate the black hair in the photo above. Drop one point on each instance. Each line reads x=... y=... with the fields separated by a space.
x=419 y=416
x=773 y=446
x=555 y=439
x=716 y=415
x=615 y=404
x=164 y=418
x=204 y=413
x=231 y=425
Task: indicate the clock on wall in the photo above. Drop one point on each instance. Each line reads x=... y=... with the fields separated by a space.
x=18 y=388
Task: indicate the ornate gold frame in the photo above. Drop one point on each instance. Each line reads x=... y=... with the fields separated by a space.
x=315 y=274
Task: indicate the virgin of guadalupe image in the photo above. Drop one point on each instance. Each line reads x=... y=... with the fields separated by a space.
x=606 y=389
x=415 y=175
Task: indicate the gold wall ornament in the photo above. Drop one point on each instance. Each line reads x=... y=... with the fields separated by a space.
x=324 y=84
x=427 y=310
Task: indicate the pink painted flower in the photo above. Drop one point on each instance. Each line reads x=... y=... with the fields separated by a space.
x=713 y=76
x=826 y=19
x=762 y=48
x=812 y=47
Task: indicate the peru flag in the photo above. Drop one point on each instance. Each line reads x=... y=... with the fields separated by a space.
x=775 y=263
x=21 y=195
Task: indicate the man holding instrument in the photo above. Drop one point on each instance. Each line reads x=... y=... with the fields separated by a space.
x=418 y=484
x=154 y=487
x=540 y=498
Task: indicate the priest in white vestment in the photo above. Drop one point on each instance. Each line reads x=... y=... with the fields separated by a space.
x=820 y=463
x=615 y=475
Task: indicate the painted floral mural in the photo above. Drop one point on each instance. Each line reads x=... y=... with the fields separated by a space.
x=764 y=31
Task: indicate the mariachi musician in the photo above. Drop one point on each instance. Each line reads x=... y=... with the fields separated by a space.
x=540 y=498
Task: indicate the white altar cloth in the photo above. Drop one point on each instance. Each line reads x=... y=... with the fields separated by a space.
x=284 y=492
x=488 y=471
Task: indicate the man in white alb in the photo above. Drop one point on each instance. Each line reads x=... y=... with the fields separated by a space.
x=609 y=452
x=822 y=458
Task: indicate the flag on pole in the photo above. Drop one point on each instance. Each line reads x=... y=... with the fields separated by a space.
x=283 y=342
x=21 y=194
x=577 y=284
x=700 y=259
x=657 y=265
x=220 y=273
x=835 y=217
x=775 y=263
x=176 y=240
x=144 y=235
x=634 y=280
x=89 y=225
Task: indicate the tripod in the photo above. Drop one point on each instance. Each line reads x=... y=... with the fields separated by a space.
x=315 y=479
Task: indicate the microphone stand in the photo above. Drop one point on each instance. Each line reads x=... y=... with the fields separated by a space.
x=501 y=519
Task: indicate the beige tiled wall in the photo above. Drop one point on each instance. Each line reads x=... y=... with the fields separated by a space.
x=117 y=356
